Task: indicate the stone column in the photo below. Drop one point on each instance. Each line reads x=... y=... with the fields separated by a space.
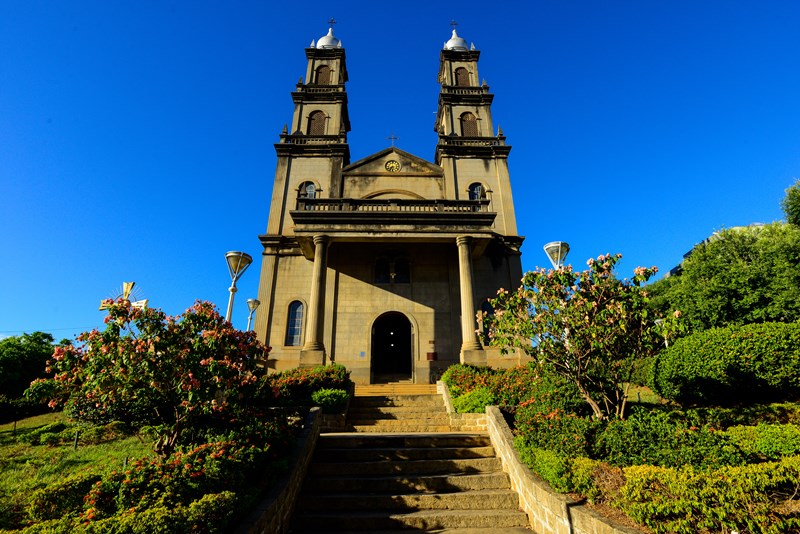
x=469 y=336
x=313 y=352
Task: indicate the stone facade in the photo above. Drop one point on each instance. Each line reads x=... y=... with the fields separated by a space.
x=382 y=264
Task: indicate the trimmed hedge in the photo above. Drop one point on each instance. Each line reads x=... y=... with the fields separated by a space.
x=732 y=365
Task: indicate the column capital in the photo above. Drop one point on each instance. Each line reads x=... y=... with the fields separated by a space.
x=463 y=240
x=321 y=239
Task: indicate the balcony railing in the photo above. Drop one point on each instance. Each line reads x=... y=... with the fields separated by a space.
x=392 y=205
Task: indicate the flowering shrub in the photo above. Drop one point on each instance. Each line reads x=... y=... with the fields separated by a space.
x=462 y=378
x=150 y=369
x=589 y=327
x=475 y=401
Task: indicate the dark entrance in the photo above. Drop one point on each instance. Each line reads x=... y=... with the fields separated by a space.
x=391 y=348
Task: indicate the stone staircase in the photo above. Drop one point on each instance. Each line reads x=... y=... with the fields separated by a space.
x=404 y=470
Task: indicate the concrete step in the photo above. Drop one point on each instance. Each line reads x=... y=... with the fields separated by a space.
x=494 y=499
x=407 y=467
x=406 y=484
x=436 y=420
x=400 y=440
x=466 y=530
x=390 y=454
x=395 y=411
x=421 y=520
x=397 y=400
x=395 y=389
x=421 y=429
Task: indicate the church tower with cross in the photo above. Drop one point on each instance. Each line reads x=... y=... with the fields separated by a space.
x=382 y=264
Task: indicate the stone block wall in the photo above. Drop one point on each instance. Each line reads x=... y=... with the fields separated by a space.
x=461 y=422
x=273 y=514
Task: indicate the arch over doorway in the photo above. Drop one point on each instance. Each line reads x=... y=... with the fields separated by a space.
x=392 y=352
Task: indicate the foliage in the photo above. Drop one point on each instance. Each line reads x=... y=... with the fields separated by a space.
x=463 y=378
x=533 y=385
x=736 y=364
x=61 y=498
x=331 y=400
x=766 y=441
x=566 y=434
x=295 y=387
x=791 y=204
x=654 y=437
x=738 y=276
x=22 y=360
x=750 y=498
x=589 y=326
x=148 y=368
x=475 y=401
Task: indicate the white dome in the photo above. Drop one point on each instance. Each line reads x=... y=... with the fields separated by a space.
x=329 y=41
x=456 y=43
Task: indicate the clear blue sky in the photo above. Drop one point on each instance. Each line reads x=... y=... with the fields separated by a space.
x=136 y=137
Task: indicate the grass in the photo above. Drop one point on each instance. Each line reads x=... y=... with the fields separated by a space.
x=24 y=468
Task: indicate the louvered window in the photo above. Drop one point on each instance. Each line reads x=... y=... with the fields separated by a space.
x=469 y=125
x=462 y=77
x=316 y=123
x=324 y=75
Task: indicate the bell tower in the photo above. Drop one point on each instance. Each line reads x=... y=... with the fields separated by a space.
x=474 y=158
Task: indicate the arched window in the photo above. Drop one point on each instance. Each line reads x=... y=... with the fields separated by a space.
x=316 y=123
x=469 y=125
x=462 y=77
x=294 y=324
x=307 y=190
x=476 y=191
x=324 y=75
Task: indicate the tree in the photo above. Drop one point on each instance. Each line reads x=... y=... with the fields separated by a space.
x=22 y=360
x=590 y=327
x=167 y=372
x=791 y=204
x=739 y=276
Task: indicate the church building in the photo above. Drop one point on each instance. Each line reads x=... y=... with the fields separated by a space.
x=382 y=264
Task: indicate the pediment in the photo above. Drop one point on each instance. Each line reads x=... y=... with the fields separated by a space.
x=409 y=165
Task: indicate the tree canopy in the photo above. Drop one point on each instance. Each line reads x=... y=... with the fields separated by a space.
x=739 y=276
x=590 y=327
x=791 y=204
x=22 y=360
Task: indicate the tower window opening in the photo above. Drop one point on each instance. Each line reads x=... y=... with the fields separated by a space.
x=462 y=77
x=469 y=125
x=307 y=190
x=477 y=191
x=323 y=75
x=316 y=123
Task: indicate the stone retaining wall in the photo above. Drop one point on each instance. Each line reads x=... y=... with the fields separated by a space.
x=273 y=514
x=461 y=422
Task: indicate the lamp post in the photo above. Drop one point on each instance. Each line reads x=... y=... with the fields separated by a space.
x=557 y=252
x=253 y=305
x=237 y=265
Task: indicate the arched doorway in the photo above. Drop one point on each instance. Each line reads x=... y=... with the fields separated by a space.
x=391 y=348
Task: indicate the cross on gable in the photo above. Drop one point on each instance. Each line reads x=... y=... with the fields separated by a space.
x=392 y=138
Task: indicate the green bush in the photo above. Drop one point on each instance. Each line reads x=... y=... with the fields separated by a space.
x=61 y=498
x=657 y=437
x=294 y=387
x=766 y=441
x=567 y=434
x=732 y=365
x=331 y=400
x=750 y=498
x=475 y=401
